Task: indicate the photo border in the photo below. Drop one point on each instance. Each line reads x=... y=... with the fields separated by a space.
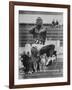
x=11 y=43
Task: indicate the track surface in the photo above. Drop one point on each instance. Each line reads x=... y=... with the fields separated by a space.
x=55 y=70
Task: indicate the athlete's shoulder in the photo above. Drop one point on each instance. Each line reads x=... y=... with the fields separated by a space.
x=43 y=29
x=32 y=29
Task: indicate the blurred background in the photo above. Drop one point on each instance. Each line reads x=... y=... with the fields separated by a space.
x=52 y=21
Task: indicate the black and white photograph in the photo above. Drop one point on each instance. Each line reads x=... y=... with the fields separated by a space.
x=40 y=44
